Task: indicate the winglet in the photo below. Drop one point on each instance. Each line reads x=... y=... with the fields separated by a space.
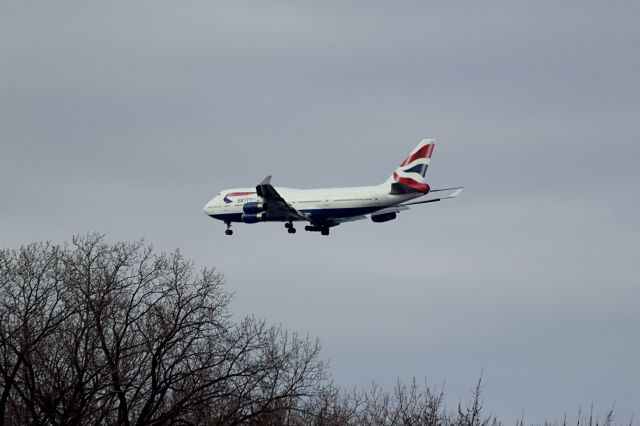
x=266 y=181
x=260 y=189
x=456 y=193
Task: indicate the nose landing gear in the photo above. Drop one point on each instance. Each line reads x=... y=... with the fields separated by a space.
x=229 y=231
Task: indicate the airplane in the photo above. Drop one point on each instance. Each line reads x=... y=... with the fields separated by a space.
x=322 y=209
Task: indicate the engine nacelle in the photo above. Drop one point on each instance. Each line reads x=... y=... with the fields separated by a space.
x=254 y=218
x=254 y=208
x=384 y=217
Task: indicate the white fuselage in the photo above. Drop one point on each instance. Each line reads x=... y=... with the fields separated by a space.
x=322 y=203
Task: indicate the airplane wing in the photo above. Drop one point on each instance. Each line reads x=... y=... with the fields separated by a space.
x=393 y=209
x=339 y=220
x=276 y=205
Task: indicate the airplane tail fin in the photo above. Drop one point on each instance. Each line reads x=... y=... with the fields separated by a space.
x=409 y=177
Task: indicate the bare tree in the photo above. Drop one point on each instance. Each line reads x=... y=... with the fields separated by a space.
x=94 y=332
x=32 y=306
x=99 y=333
x=471 y=415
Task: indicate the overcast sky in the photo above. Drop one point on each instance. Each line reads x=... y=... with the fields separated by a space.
x=126 y=117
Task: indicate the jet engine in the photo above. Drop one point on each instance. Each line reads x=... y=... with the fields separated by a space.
x=384 y=217
x=254 y=208
x=254 y=218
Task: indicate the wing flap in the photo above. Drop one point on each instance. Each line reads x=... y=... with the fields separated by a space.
x=393 y=209
x=347 y=219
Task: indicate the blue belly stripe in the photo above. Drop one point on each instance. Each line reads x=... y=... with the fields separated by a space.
x=320 y=214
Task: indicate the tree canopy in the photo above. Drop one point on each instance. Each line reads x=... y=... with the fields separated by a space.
x=100 y=333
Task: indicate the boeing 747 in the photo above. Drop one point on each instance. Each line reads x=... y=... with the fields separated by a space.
x=325 y=208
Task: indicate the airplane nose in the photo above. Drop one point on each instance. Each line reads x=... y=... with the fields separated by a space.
x=208 y=208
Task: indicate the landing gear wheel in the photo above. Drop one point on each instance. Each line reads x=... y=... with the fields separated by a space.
x=288 y=225
x=291 y=230
x=324 y=231
x=228 y=232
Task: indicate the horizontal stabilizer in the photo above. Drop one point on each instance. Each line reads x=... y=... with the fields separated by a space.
x=446 y=189
x=433 y=200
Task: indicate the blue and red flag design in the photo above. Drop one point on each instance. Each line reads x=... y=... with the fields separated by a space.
x=413 y=169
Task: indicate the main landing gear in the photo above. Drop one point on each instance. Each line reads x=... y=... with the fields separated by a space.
x=290 y=228
x=324 y=230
